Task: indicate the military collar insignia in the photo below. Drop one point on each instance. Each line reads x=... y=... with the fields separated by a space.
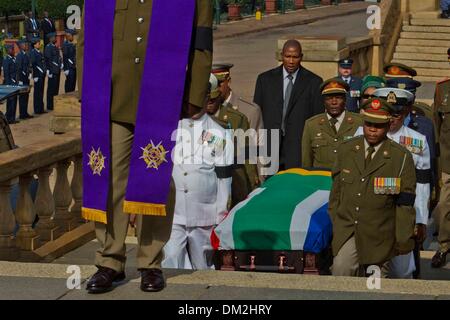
x=357 y=147
x=235 y=107
x=350 y=120
x=392 y=98
x=322 y=121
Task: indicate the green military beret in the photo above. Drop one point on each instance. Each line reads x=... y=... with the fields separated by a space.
x=399 y=70
x=377 y=110
x=370 y=81
x=334 y=86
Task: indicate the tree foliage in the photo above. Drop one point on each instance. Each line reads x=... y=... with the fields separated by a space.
x=56 y=8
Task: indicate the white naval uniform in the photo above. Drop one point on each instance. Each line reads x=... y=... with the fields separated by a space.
x=202 y=176
x=402 y=267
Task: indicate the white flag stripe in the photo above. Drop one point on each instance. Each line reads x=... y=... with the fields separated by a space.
x=302 y=217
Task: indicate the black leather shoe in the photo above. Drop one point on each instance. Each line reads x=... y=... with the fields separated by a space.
x=152 y=280
x=103 y=280
x=439 y=259
x=26 y=117
x=13 y=122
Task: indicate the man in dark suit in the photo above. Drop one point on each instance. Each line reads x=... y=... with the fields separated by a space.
x=354 y=94
x=32 y=26
x=288 y=95
x=47 y=26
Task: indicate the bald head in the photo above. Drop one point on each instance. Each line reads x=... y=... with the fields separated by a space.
x=294 y=44
x=292 y=56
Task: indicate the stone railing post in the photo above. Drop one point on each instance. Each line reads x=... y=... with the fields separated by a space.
x=77 y=190
x=63 y=196
x=8 y=249
x=27 y=239
x=45 y=207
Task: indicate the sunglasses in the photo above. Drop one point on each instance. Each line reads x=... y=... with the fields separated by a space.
x=367 y=96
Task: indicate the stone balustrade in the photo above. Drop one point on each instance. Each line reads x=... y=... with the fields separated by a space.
x=58 y=211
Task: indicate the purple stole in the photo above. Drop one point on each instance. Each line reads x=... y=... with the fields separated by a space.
x=159 y=106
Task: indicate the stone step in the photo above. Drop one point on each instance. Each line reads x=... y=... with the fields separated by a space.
x=424 y=64
x=415 y=49
x=426 y=29
x=424 y=43
x=425 y=35
x=421 y=56
x=426 y=15
x=428 y=79
x=431 y=22
x=442 y=73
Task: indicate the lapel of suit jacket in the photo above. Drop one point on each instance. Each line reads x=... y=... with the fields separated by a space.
x=299 y=86
x=379 y=159
x=278 y=91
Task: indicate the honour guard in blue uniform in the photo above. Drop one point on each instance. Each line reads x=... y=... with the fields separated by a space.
x=10 y=78
x=69 y=60
x=54 y=65
x=355 y=83
x=23 y=77
x=39 y=71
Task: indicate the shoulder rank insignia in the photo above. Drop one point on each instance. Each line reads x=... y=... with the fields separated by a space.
x=413 y=145
x=387 y=185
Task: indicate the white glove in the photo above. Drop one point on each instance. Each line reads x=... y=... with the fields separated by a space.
x=36 y=80
x=62 y=66
x=66 y=72
x=30 y=76
x=50 y=75
x=20 y=83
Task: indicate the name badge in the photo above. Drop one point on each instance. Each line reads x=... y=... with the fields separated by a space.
x=413 y=145
x=387 y=185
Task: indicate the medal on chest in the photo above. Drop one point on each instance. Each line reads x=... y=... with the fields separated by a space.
x=387 y=185
x=412 y=144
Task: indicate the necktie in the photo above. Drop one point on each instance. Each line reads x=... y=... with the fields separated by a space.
x=333 y=122
x=370 y=151
x=287 y=97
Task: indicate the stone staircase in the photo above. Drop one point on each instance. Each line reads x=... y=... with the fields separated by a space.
x=423 y=45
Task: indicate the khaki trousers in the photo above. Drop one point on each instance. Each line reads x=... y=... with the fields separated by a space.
x=152 y=231
x=346 y=262
x=442 y=214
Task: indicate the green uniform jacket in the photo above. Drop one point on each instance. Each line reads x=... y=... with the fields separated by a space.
x=245 y=177
x=442 y=107
x=129 y=49
x=381 y=224
x=320 y=143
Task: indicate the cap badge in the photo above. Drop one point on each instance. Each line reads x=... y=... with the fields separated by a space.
x=392 y=98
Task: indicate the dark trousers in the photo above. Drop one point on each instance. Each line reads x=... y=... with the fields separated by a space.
x=52 y=90
x=11 y=109
x=71 y=81
x=38 y=96
x=23 y=102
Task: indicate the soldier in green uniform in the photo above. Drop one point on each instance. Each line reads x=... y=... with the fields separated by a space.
x=131 y=32
x=323 y=133
x=442 y=210
x=372 y=198
x=245 y=175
